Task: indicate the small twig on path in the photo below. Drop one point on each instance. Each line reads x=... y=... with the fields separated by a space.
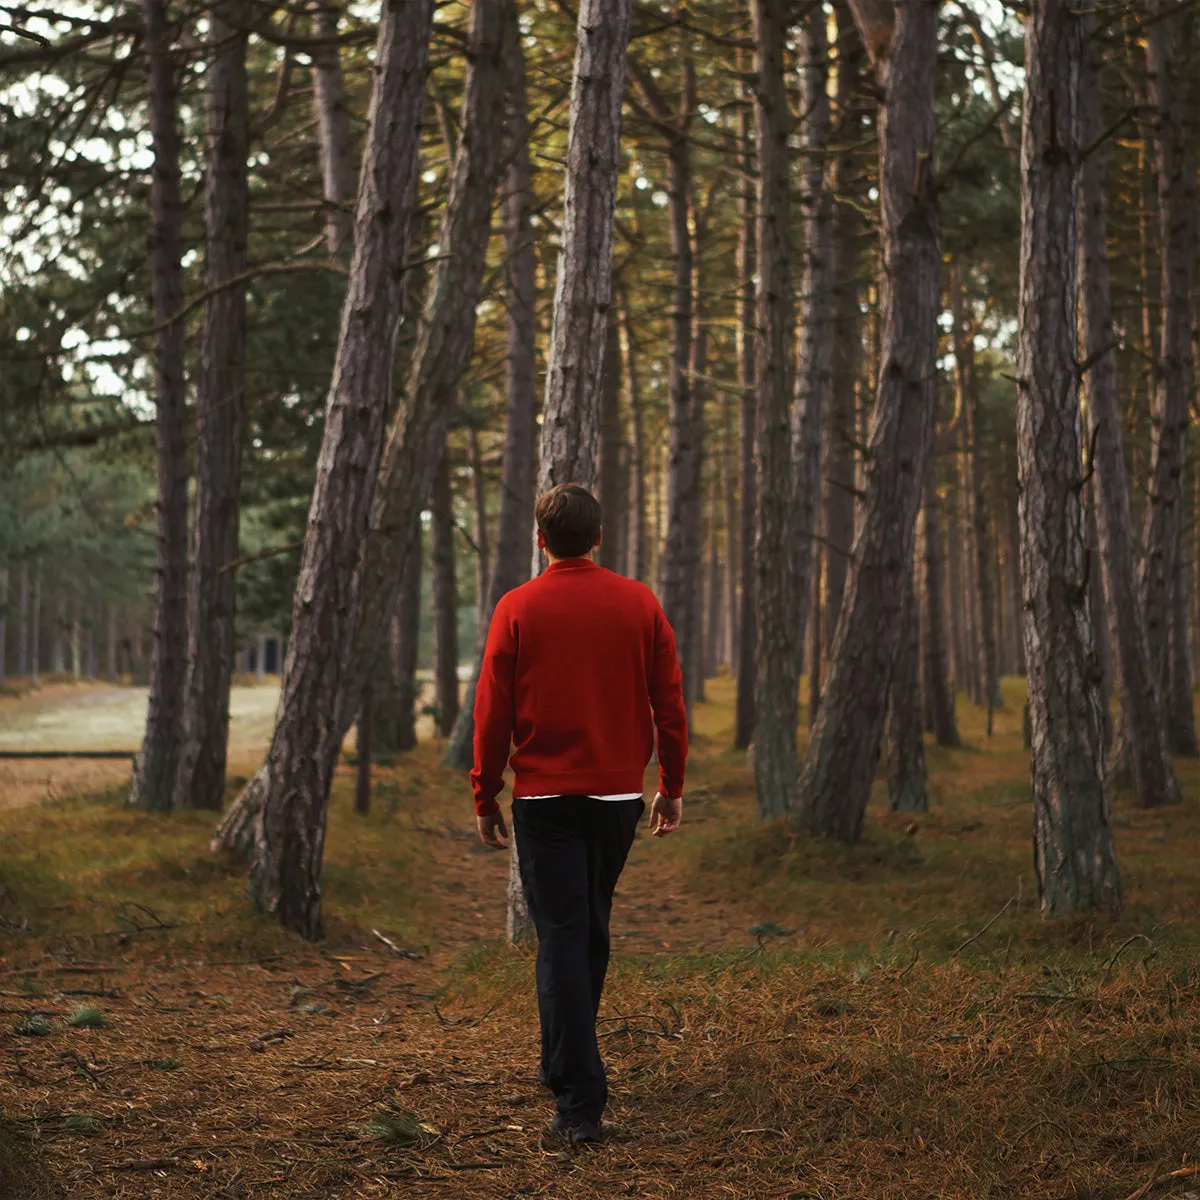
x=975 y=937
x=147 y=1164
x=1112 y=962
x=1157 y=1180
x=398 y=951
x=910 y=966
x=462 y=1022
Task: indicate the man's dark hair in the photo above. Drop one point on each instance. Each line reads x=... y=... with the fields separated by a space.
x=569 y=517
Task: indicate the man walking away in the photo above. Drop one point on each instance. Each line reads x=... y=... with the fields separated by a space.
x=579 y=672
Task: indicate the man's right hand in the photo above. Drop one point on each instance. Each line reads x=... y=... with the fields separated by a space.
x=665 y=815
x=493 y=831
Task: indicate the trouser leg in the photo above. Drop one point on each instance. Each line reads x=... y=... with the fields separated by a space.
x=552 y=849
x=612 y=828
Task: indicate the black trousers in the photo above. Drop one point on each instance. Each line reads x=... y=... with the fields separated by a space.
x=572 y=850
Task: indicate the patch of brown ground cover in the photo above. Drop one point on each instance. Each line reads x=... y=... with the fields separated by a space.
x=783 y=1020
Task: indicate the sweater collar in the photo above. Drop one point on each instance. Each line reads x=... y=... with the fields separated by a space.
x=571 y=564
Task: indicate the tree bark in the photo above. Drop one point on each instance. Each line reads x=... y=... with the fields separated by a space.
x=747 y=672
x=939 y=694
x=1073 y=852
x=362 y=748
x=977 y=500
x=729 y=487
x=445 y=600
x=611 y=492
x=318 y=686
x=220 y=403
x=1098 y=610
x=818 y=310
x=638 y=462
x=835 y=782
x=483 y=556
x=333 y=136
x=514 y=530
x=682 y=551
x=155 y=767
x=907 y=791
x=583 y=289
x=777 y=654
x=1168 y=57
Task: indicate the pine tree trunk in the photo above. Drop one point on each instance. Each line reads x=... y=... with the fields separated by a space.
x=682 y=551
x=583 y=289
x=907 y=790
x=612 y=447
x=362 y=748
x=155 y=767
x=818 y=313
x=747 y=671
x=333 y=136
x=835 y=782
x=1182 y=731
x=973 y=638
x=729 y=487
x=445 y=600
x=374 y=558
x=483 y=556
x=220 y=403
x=842 y=436
x=404 y=637
x=1073 y=852
x=715 y=608
x=637 y=568
x=816 y=640
x=939 y=694
x=693 y=681
x=964 y=355
x=514 y=529
x=310 y=723
x=1098 y=615
x=23 y=666
x=1168 y=46
x=777 y=654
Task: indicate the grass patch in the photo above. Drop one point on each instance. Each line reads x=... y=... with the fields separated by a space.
x=86 y=1016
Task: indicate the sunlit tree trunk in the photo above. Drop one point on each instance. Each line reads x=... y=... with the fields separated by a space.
x=583 y=289
x=320 y=695
x=1073 y=852
x=611 y=491
x=835 y=782
x=156 y=764
x=777 y=655
x=220 y=404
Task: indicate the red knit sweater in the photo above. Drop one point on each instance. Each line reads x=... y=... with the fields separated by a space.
x=579 y=670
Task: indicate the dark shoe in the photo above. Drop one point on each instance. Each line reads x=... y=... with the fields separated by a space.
x=543 y=1078
x=584 y=1133
x=560 y=1126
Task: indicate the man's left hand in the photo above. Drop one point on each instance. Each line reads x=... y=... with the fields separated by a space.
x=493 y=831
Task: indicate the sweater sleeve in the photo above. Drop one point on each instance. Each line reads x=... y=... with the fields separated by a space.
x=670 y=713
x=495 y=711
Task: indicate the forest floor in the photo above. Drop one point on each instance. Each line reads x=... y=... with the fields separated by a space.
x=785 y=1018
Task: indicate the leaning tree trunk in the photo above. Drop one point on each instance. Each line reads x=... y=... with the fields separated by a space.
x=445 y=600
x=220 y=404
x=295 y=779
x=333 y=135
x=747 y=627
x=818 y=309
x=907 y=791
x=835 y=783
x=583 y=290
x=1073 y=852
x=156 y=764
x=776 y=652
x=1141 y=739
x=1168 y=46
x=315 y=714
x=514 y=528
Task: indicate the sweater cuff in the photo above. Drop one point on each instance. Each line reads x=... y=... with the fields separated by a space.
x=486 y=808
